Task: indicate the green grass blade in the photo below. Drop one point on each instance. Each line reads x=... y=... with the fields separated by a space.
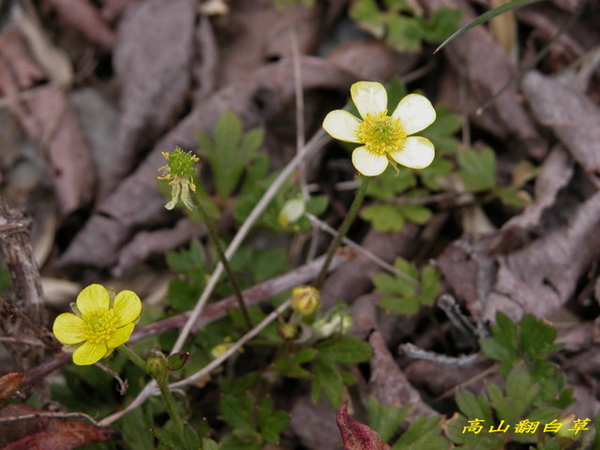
x=485 y=17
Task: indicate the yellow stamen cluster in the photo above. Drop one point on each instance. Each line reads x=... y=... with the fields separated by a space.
x=381 y=133
x=99 y=326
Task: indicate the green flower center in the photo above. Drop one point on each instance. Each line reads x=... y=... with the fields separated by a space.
x=181 y=164
x=381 y=133
x=99 y=326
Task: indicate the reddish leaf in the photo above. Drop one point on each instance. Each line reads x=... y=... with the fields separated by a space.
x=44 y=432
x=9 y=383
x=357 y=436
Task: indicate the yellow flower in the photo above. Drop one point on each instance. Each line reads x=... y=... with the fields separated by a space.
x=179 y=170
x=386 y=139
x=100 y=324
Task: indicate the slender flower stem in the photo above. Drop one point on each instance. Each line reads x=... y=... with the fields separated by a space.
x=133 y=357
x=163 y=385
x=223 y=258
x=341 y=234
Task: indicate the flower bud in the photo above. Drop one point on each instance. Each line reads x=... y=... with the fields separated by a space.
x=305 y=299
x=291 y=212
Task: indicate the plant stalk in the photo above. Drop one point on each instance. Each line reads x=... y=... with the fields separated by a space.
x=341 y=234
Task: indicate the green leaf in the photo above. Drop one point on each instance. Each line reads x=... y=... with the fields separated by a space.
x=327 y=378
x=473 y=407
x=181 y=295
x=408 y=305
x=442 y=133
x=271 y=422
x=316 y=205
x=367 y=13
x=520 y=393
x=477 y=169
x=228 y=131
x=430 y=284
x=537 y=337
x=502 y=346
x=396 y=91
x=418 y=214
x=344 y=350
x=385 y=419
x=423 y=433
x=438 y=170
x=252 y=141
x=383 y=217
x=404 y=33
x=230 y=152
x=394 y=285
x=237 y=411
x=290 y=365
x=511 y=196
x=441 y=23
x=192 y=441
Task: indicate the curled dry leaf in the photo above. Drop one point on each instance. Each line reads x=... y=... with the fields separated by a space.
x=49 y=121
x=541 y=277
x=555 y=174
x=43 y=432
x=389 y=385
x=52 y=59
x=357 y=436
x=152 y=61
x=112 y=9
x=9 y=384
x=85 y=18
x=571 y=116
x=482 y=67
x=314 y=424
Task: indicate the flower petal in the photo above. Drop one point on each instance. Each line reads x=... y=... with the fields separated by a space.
x=120 y=336
x=89 y=353
x=127 y=307
x=416 y=153
x=342 y=125
x=93 y=298
x=368 y=163
x=175 y=190
x=415 y=113
x=369 y=97
x=68 y=328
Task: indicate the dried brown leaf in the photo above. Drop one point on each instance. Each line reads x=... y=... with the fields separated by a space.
x=314 y=425
x=572 y=117
x=43 y=432
x=9 y=384
x=112 y=9
x=22 y=69
x=49 y=121
x=357 y=436
x=483 y=68
x=258 y=33
x=85 y=18
x=541 y=277
x=555 y=174
x=389 y=385
x=152 y=61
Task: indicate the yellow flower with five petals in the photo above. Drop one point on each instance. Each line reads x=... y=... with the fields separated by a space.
x=386 y=139
x=100 y=324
